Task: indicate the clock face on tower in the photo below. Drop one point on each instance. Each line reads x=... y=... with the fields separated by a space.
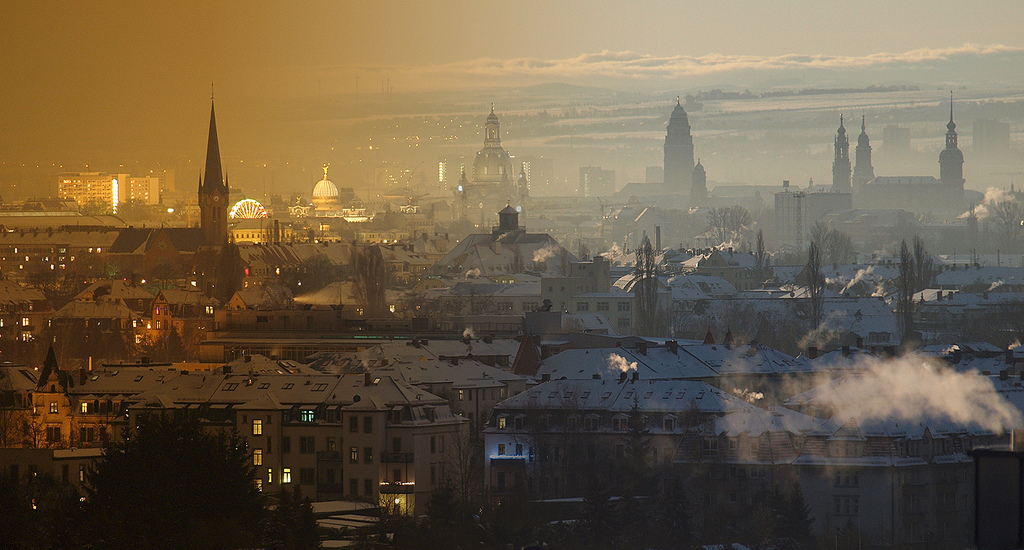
x=216 y=198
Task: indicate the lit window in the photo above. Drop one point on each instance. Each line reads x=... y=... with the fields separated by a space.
x=53 y=407
x=85 y=408
x=209 y=310
x=286 y=475
x=257 y=427
x=307 y=416
x=270 y=475
x=24 y=321
x=501 y=422
x=257 y=457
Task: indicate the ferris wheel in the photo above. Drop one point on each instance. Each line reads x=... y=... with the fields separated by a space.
x=248 y=209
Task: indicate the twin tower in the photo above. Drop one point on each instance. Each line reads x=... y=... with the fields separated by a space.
x=680 y=172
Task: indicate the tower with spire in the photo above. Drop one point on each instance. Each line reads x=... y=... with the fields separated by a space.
x=678 y=151
x=951 y=159
x=213 y=191
x=863 y=172
x=841 y=163
x=699 y=190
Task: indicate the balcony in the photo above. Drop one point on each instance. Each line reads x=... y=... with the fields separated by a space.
x=396 y=458
x=401 y=488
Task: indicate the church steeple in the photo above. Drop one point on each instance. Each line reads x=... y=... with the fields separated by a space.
x=841 y=163
x=213 y=191
x=951 y=159
x=863 y=172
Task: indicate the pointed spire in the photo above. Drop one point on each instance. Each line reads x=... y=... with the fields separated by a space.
x=863 y=125
x=677 y=101
x=326 y=166
x=709 y=338
x=842 y=129
x=952 y=125
x=213 y=174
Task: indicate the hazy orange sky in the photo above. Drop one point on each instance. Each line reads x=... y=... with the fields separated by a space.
x=80 y=74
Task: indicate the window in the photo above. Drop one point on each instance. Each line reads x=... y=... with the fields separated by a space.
x=81 y=472
x=307 y=476
x=270 y=475
x=368 y=455
x=259 y=485
x=307 y=415
x=353 y=455
x=518 y=423
x=257 y=457
x=286 y=475
x=53 y=434
x=367 y=424
x=368 y=486
x=209 y=310
x=53 y=407
x=670 y=424
x=711 y=444
x=24 y=321
x=396 y=444
x=501 y=449
x=502 y=422
x=433 y=444
x=353 y=424
x=307 y=445
x=582 y=306
x=620 y=424
x=85 y=408
x=461 y=395
x=623 y=306
x=397 y=476
x=590 y=423
x=257 y=427
x=602 y=306
x=332 y=445
x=286 y=444
x=353 y=486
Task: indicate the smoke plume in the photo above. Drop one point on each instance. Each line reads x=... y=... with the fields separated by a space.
x=616 y=363
x=468 y=333
x=473 y=273
x=542 y=254
x=914 y=388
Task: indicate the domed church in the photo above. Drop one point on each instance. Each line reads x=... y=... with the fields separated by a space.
x=494 y=182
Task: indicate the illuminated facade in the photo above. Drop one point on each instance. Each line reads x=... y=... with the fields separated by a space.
x=92 y=189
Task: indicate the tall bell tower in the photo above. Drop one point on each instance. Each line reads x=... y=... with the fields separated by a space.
x=213 y=192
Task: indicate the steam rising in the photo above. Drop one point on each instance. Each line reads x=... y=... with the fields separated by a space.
x=993 y=195
x=468 y=333
x=749 y=396
x=542 y=254
x=473 y=273
x=616 y=363
x=915 y=388
x=861 y=274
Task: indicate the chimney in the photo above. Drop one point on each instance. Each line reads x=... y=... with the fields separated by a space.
x=636 y=375
x=82 y=376
x=227 y=369
x=1009 y=357
x=672 y=346
x=596 y=376
x=860 y=343
x=938 y=296
x=545 y=377
x=641 y=346
x=812 y=352
x=622 y=377
x=657 y=238
x=367 y=379
x=846 y=351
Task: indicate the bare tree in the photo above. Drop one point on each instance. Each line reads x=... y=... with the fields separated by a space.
x=906 y=284
x=371 y=278
x=645 y=288
x=835 y=246
x=815 y=285
x=761 y=260
x=1009 y=216
x=727 y=223
x=924 y=266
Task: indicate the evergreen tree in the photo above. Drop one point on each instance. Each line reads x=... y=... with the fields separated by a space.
x=172 y=484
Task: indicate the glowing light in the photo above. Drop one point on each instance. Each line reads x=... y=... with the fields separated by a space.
x=248 y=209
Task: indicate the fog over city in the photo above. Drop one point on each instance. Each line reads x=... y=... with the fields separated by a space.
x=533 y=275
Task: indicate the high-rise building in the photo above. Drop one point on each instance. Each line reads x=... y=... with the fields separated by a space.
x=951 y=159
x=596 y=181
x=213 y=192
x=990 y=137
x=896 y=140
x=863 y=172
x=92 y=190
x=678 y=151
x=841 y=163
x=140 y=190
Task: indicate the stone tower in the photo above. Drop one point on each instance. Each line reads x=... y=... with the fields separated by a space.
x=678 y=151
x=863 y=172
x=841 y=164
x=213 y=192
